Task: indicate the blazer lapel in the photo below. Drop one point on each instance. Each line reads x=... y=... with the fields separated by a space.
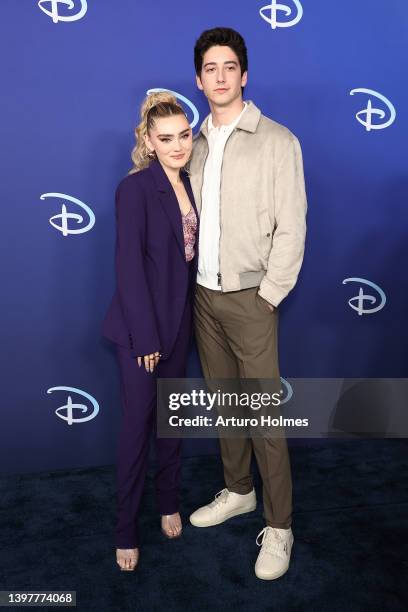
x=189 y=190
x=190 y=194
x=169 y=202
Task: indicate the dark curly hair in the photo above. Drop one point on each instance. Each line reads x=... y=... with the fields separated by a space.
x=226 y=37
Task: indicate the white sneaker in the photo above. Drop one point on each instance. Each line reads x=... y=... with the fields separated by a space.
x=274 y=556
x=226 y=504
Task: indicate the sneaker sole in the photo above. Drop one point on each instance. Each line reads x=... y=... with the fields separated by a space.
x=269 y=577
x=230 y=515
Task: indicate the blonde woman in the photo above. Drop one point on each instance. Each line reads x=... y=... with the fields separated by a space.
x=150 y=316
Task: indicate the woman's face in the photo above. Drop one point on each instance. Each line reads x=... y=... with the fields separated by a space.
x=172 y=140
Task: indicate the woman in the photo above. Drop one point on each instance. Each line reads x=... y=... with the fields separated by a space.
x=150 y=317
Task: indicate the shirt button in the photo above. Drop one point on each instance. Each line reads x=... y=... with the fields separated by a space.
x=267 y=235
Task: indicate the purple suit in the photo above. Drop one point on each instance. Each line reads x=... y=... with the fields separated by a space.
x=151 y=311
x=152 y=283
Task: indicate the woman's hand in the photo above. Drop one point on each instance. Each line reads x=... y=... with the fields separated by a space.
x=150 y=361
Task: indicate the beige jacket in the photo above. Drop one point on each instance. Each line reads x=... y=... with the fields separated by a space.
x=262 y=205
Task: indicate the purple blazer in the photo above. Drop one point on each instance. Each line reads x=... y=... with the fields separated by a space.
x=152 y=275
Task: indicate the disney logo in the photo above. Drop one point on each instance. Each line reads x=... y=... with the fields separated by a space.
x=269 y=14
x=52 y=11
x=362 y=297
x=289 y=391
x=186 y=101
x=66 y=412
x=369 y=112
x=65 y=216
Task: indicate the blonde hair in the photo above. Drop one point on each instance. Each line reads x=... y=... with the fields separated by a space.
x=156 y=104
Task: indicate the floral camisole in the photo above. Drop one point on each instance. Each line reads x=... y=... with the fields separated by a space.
x=189 y=231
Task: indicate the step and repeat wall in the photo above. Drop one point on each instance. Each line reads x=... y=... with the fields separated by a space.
x=73 y=76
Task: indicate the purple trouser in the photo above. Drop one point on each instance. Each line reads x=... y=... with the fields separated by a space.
x=138 y=394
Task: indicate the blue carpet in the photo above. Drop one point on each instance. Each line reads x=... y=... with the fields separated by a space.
x=350 y=525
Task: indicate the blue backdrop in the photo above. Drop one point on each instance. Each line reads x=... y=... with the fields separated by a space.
x=73 y=77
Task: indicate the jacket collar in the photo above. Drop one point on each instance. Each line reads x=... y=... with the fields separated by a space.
x=169 y=202
x=248 y=122
x=160 y=177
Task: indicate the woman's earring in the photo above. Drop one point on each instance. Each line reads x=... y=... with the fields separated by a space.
x=151 y=154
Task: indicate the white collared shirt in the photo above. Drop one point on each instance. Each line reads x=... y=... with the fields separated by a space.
x=208 y=253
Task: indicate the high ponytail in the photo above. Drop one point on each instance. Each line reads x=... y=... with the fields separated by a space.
x=156 y=104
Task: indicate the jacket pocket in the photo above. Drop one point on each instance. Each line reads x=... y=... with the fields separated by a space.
x=265 y=234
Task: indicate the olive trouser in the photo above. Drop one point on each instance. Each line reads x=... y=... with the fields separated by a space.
x=237 y=338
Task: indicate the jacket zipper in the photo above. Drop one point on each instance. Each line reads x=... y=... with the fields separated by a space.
x=202 y=176
x=220 y=214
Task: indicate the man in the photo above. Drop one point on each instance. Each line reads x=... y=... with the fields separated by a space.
x=247 y=177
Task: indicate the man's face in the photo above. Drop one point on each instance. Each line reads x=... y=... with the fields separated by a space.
x=220 y=77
